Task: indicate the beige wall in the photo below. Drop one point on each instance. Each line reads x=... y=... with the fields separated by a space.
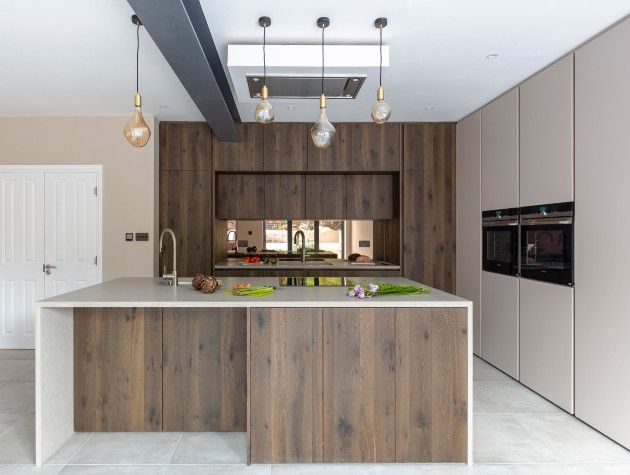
x=243 y=229
x=359 y=231
x=129 y=177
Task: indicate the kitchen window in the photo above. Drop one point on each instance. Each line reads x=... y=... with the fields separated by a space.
x=326 y=235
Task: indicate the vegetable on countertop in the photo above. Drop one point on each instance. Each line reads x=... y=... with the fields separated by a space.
x=371 y=289
x=256 y=291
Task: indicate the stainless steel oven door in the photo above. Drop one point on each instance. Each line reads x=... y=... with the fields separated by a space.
x=547 y=249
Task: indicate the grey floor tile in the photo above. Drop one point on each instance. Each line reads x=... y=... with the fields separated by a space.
x=112 y=469
x=506 y=438
x=238 y=469
x=30 y=469
x=211 y=448
x=370 y=469
x=70 y=448
x=17 y=354
x=550 y=469
x=128 y=448
x=483 y=371
x=482 y=403
x=17 y=370
x=17 y=398
x=17 y=443
x=513 y=397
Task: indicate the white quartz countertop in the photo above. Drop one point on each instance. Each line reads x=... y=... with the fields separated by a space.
x=326 y=264
x=154 y=292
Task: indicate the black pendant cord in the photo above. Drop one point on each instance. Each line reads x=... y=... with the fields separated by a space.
x=380 y=66
x=323 y=60
x=264 y=56
x=137 y=58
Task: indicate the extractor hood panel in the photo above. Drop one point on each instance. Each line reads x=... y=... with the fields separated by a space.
x=306 y=87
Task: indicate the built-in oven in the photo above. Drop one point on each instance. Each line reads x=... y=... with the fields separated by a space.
x=547 y=243
x=500 y=241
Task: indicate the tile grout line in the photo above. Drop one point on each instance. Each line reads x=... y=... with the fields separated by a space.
x=69 y=462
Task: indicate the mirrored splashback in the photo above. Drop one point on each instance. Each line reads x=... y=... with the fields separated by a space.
x=332 y=239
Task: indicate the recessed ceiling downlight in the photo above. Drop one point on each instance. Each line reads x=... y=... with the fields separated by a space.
x=492 y=56
x=429 y=108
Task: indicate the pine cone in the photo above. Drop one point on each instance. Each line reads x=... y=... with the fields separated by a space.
x=196 y=282
x=209 y=285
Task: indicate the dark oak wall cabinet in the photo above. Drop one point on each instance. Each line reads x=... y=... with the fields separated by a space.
x=240 y=196
x=285 y=147
x=369 y=196
x=284 y=197
x=240 y=156
x=325 y=196
x=185 y=146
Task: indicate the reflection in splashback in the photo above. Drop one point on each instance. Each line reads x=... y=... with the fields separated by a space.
x=338 y=237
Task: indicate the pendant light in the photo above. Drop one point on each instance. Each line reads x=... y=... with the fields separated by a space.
x=136 y=130
x=380 y=110
x=264 y=113
x=322 y=132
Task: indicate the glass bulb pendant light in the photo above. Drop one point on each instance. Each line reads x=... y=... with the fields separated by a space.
x=136 y=130
x=264 y=113
x=380 y=110
x=322 y=132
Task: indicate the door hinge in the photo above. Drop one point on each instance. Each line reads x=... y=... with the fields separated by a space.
x=96 y=191
x=95 y=260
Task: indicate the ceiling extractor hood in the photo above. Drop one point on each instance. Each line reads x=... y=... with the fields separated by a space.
x=306 y=87
x=294 y=71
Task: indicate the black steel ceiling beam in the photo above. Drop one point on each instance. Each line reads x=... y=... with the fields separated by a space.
x=180 y=31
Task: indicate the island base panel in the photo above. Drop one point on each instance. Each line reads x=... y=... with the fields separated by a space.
x=205 y=369
x=117 y=369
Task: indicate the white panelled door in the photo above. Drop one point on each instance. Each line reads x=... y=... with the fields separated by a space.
x=49 y=243
x=21 y=256
x=71 y=227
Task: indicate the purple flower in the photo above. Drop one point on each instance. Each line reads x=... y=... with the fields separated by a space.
x=358 y=289
x=350 y=293
x=361 y=294
x=373 y=288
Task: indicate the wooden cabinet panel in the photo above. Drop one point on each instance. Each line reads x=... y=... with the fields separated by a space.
x=185 y=146
x=117 y=369
x=245 y=156
x=602 y=168
x=546 y=340
x=335 y=158
x=427 y=144
x=284 y=196
x=500 y=321
x=499 y=152
x=205 y=369
x=285 y=147
x=285 y=395
x=468 y=215
x=240 y=196
x=325 y=197
x=431 y=385
x=186 y=208
x=359 y=380
x=371 y=147
x=429 y=226
x=369 y=197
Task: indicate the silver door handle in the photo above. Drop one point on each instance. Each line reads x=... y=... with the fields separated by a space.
x=47 y=267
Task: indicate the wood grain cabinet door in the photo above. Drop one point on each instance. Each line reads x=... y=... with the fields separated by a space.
x=284 y=196
x=205 y=369
x=285 y=395
x=325 y=196
x=369 y=197
x=335 y=158
x=117 y=369
x=359 y=381
x=240 y=196
x=426 y=146
x=245 y=156
x=185 y=146
x=285 y=147
x=431 y=385
x=371 y=147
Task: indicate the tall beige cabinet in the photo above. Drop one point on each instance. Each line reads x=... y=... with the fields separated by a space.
x=469 y=218
x=499 y=152
x=602 y=228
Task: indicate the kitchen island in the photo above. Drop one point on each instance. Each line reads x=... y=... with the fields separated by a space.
x=309 y=374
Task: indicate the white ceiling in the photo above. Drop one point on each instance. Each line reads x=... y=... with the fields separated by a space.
x=77 y=57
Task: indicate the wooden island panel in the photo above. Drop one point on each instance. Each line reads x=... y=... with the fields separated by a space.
x=205 y=369
x=117 y=369
x=359 y=378
x=285 y=400
x=431 y=385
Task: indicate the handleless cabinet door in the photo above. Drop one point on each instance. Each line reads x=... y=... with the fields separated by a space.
x=546 y=135
x=372 y=147
x=546 y=340
x=244 y=156
x=284 y=196
x=325 y=196
x=285 y=147
x=369 y=197
x=240 y=196
x=499 y=321
x=499 y=152
x=602 y=169
x=468 y=215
